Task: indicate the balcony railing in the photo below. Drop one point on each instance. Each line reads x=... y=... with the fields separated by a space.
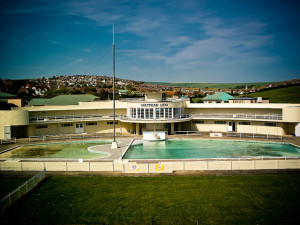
x=182 y=117
x=160 y=100
x=239 y=116
x=89 y=117
x=95 y=117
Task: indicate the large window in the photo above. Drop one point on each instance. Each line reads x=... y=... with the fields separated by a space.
x=220 y=122
x=142 y=114
x=67 y=125
x=157 y=111
x=151 y=113
x=176 y=113
x=41 y=126
x=91 y=123
x=133 y=112
x=270 y=124
x=198 y=121
x=111 y=123
x=162 y=113
x=244 y=123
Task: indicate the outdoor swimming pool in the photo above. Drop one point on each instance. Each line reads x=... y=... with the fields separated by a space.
x=200 y=149
x=58 y=150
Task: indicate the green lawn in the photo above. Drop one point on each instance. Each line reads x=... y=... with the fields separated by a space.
x=280 y=95
x=252 y=199
x=8 y=184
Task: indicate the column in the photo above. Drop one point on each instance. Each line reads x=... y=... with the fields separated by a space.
x=137 y=128
x=172 y=128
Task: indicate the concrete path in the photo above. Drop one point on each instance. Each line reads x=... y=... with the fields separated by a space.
x=115 y=154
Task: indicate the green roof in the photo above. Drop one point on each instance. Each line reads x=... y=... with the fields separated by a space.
x=64 y=100
x=6 y=95
x=38 y=101
x=218 y=96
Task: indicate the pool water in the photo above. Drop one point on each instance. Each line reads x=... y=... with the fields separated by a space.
x=58 y=150
x=197 y=149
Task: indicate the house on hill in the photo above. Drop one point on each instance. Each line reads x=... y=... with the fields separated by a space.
x=218 y=97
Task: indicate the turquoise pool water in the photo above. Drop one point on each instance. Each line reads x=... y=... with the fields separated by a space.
x=197 y=149
x=57 y=150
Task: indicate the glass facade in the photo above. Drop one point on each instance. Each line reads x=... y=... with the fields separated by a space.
x=156 y=113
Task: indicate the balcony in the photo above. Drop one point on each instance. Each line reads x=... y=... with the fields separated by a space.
x=123 y=118
x=243 y=116
x=182 y=118
x=70 y=118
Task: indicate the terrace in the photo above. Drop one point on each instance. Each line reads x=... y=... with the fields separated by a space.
x=184 y=117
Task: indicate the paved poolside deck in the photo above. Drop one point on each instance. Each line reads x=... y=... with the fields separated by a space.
x=115 y=154
x=123 y=143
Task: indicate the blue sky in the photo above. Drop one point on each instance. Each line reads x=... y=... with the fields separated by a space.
x=167 y=41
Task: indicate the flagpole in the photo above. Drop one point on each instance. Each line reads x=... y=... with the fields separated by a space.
x=114 y=143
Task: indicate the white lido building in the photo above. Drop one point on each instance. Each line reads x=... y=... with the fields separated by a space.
x=152 y=113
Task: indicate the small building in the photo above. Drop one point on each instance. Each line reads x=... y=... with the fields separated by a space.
x=218 y=97
x=6 y=98
x=249 y=100
x=123 y=92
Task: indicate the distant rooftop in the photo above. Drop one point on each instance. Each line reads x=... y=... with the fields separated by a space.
x=218 y=96
x=6 y=95
x=64 y=100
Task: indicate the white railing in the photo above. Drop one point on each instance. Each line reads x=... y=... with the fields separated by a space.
x=239 y=116
x=253 y=135
x=72 y=136
x=7 y=141
x=187 y=132
x=160 y=100
x=14 y=195
x=42 y=119
x=182 y=117
x=93 y=117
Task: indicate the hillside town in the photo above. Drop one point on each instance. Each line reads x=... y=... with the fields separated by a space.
x=102 y=87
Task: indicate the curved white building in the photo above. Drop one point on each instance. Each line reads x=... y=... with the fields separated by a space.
x=153 y=113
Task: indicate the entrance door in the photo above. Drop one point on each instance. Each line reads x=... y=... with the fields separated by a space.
x=231 y=127
x=7 y=132
x=79 y=128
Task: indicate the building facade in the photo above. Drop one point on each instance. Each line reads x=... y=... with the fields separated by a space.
x=152 y=113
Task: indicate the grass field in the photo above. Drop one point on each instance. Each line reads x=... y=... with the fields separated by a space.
x=280 y=95
x=8 y=184
x=239 y=199
x=212 y=85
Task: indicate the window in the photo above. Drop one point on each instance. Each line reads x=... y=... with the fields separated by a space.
x=157 y=110
x=67 y=125
x=142 y=114
x=147 y=114
x=41 y=126
x=176 y=113
x=151 y=113
x=244 y=123
x=162 y=113
x=111 y=123
x=139 y=113
x=270 y=124
x=91 y=124
x=198 y=121
x=220 y=122
x=133 y=112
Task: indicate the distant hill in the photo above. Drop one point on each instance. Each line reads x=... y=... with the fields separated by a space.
x=213 y=85
x=280 y=95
